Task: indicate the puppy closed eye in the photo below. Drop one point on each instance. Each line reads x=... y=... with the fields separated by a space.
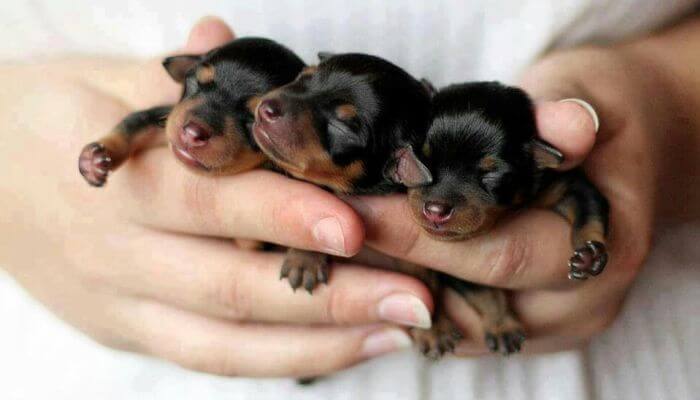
x=491 y=180
x=344 y=140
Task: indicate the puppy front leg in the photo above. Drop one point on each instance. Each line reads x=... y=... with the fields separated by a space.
x=502 y=331
x=139 y=130
x=579 y=202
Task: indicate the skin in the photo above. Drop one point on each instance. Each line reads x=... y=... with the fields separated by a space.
x=644 y=97
x=147 y=265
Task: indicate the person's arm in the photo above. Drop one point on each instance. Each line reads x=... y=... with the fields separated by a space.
x=674 y=56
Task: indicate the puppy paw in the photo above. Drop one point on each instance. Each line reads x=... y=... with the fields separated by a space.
x=437 y=341
x=506 y=338
x=95 y=163
x=589 y=260
x=305 y=268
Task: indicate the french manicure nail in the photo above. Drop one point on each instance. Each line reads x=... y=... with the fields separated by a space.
x=404 y=309
x=588 y=107
x=386 y=340
x=329 y=234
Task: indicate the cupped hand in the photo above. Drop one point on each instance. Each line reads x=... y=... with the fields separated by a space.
x=528 y=251
x=146 y=264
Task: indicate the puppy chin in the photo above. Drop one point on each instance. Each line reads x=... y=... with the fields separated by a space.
x=448 y=232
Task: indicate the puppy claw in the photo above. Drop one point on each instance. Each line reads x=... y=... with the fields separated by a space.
x=506 y=343
x=95 y=163
x=305 y=269
x=589 y=260
x=295 y=277
x=284 y=271
x=491 y=342
x=506 y=338
x=440 y=339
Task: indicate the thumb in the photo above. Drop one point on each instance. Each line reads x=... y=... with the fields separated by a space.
x=570 y=126
x=208 y=33
x=146 y=84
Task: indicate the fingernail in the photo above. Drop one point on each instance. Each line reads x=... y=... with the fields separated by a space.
x=329 y=235
x=385 y=341
x=208 y=18
x=404 y=309
x=588 y=107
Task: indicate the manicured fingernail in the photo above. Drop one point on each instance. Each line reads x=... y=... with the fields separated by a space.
x=329 y=235
x=588 y=107
x=404 y=309
x=386 y=340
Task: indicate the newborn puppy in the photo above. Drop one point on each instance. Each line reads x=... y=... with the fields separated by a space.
x=485 y=158
x=350 y=125
x=209 y=129
x=347 y=125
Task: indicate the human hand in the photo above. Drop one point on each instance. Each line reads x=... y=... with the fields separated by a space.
x=528 y=251
x=146 y=265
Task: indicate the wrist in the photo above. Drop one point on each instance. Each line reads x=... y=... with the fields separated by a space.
x=670 y=113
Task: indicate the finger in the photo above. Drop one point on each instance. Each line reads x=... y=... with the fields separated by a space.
x=552 y=319
x=145 y=84
x=569 y=126
x=207 y=33
x=214 y=278
x=528 y=250
x=261 y=205
x=223 y=348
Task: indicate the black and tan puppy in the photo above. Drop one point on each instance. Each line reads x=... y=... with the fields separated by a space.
x=485 y=158
x=346 y=125
x=350 y=125
x=209 y=129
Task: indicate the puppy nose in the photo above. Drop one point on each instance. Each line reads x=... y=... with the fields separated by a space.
x=270 y=110
x=437 y=212
x=194 y=134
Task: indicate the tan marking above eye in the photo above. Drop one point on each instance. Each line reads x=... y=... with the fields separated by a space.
x=253 y=103
x=488 y=163
x=205 y=74
x=346 y=112
x=310 y=70
x=426 y=149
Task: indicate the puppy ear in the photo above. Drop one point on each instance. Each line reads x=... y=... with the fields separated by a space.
x=406 y=169
x=343 y=142
x=428 y=86
x=545 y=155
x=179 y=66
x=324 y=55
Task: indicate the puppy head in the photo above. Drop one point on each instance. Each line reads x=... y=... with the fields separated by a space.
x=209 y=130
x=340 y=123
x=484 y=157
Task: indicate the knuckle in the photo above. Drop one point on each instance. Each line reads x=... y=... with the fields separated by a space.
x=233 y=296
x=509 y=261
x=275 y=218
x=337 y=306
x=200 y=197
x=409 y=245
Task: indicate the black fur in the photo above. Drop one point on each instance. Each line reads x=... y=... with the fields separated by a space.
x=245 y=67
